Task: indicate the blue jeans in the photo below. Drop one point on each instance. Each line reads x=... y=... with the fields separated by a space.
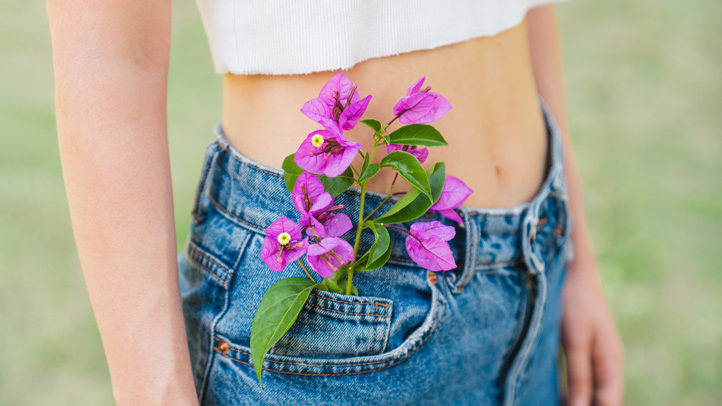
x=485 y=333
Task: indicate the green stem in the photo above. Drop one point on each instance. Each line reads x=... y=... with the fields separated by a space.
x=305 y=270
x=359 y=227
x=391 y=193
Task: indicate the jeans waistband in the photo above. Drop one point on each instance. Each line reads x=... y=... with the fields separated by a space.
x=253 y=196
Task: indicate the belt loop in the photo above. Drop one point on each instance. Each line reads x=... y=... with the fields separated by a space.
x=208 y=162
x=472 y=243
x=530 y=223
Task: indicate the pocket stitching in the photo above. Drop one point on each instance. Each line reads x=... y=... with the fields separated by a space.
x=434 y=321
x=393 y=363
x=349 y=313
x=344 y=301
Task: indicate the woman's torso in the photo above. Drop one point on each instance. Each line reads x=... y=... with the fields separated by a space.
x=496 y=135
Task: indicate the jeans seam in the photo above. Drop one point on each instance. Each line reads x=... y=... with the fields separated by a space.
x=240 y=249
x=530 y=338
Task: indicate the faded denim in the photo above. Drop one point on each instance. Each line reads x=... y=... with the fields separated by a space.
x=486 y=333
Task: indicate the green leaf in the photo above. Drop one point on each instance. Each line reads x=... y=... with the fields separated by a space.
x=409 y=168
x=380 y=261
x=332 y=285
x=365 y=265
x=382 y=242
x=380 y=251
x=336 y=186
x=417 y=134
x=291 y=172
x=412 y=205
x=277 y=312
x=368 y=170
x=374 y=124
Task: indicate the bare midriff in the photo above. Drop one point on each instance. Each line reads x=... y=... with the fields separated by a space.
x=495 y=131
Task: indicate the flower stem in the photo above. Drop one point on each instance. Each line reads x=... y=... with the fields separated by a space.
x=305 y=270
x=391 y=190
x=359 y=227
x=394 y=119
x=396 y=227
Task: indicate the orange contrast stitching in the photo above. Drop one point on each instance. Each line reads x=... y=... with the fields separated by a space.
x=343 y=301
x=353 y=314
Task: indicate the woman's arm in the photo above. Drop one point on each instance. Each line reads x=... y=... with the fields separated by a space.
x=111 y=67
x=590 y=339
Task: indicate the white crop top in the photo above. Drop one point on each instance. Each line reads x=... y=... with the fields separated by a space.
x=302 y=36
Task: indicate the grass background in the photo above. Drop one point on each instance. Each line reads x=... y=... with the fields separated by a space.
x=644 y=81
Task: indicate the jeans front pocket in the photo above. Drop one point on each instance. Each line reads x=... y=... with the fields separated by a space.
x=335 y=334
x=332 y=325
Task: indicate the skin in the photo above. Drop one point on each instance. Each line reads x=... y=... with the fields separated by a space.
x=111 y=66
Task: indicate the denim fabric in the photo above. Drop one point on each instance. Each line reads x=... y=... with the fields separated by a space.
x=485 y=333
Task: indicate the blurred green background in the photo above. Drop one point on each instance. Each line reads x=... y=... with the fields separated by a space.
x=644 y=82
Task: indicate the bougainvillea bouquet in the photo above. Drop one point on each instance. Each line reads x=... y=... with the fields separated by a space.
x=321 y=169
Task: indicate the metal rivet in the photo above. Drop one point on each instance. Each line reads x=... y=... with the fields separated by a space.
x=559 y=231
x=542 y=221
x=222 y=347
x=432 y=277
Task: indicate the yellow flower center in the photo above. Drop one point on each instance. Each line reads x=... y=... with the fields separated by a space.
x=284 y=238
x=317 y=140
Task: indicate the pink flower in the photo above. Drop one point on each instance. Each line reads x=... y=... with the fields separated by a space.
x=427 y=245
x=316 y=206
x=326 y=152
x=338 y=105
x=453 y=195
x=283 y=244
x=421 y=106
x=328 y=254
x=420 y=153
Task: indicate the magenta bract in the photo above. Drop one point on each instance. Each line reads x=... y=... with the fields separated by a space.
x=309 y=198
x=453 y=196
x=427 y=245
x=316 y=208
x=338 y=105
x=325 y=152
x=327 y=255
x=283 y=244
x=421 y=106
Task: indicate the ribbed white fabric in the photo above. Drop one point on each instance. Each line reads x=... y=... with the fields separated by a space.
x=302 y=36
